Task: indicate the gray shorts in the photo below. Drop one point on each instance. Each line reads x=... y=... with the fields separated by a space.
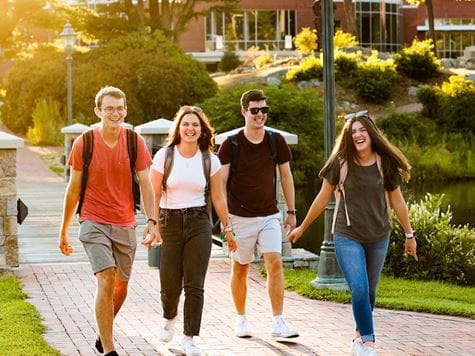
x=109 y=246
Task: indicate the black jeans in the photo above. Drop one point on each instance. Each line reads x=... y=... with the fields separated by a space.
x=184 y=259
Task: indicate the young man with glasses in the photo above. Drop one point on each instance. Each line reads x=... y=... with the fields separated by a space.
x=254 y=215
x=107 y=219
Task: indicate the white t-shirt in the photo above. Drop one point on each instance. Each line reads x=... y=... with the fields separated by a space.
x=186 y=182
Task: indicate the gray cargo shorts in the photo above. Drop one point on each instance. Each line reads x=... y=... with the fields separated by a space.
x=109 y=246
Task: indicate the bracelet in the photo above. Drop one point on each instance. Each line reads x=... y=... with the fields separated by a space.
x=227 y=228
x=292 y=212
x=409 y=235
x=152 y=220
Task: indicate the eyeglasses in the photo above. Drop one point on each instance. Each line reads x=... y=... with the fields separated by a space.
x=110 y=110
x=356 y=114
x=264 y=110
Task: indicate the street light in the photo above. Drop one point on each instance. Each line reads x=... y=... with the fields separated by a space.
x=69 y=38
x=329 y=274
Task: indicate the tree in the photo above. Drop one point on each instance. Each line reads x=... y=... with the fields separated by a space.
x=351 y=17
x=17 y=17
x=169 y=16
x=430 y=18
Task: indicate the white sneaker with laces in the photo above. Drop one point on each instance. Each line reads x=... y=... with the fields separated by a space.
x=168 y=330
x=190 y=348
x=242 y=328
x=281 y=329
x=356 y=346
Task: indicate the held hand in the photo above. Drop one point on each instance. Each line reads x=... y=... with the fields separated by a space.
x=64 y=246
x=151 y=236
x=290 y=223
x=232 y=246
x=295 y=234
x=410 y=248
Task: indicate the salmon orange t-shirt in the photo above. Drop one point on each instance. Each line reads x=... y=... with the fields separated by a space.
x=109 y=198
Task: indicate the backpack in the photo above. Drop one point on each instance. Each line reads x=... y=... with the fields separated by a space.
x=206 y=160
x=88 y=149
x=340 y=191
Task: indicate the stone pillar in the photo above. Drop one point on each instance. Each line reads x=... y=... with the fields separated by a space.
x=8 y=201
x=70 y=133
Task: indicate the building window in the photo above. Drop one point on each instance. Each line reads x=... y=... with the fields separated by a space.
x=265 y=29
x=451 y=44
x=378 y=24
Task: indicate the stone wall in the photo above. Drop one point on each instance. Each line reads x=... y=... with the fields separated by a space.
x=8 y=201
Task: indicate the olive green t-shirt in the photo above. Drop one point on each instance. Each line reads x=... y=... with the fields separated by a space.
x=365 y=201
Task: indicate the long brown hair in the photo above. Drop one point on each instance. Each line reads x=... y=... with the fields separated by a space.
x=206 y=140
x=393 y=161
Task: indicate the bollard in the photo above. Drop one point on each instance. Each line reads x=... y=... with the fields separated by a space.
x=154 y=257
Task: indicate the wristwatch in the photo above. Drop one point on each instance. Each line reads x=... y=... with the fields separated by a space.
x=292 y=212
x=409 y=235
x=152 y=220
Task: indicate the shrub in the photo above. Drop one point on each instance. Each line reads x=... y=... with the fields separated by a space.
x=418 y=61
x=306 y=41
x=446 y=252
x=47 y=123
x=27 y=81
x=452 y=105
x=346 y=66
x=407 y=126
x=157 y=77
x=343 y=39
x=293 y=110
x=229 y=61
x=376 y=79
x=310 y=68
x=263 y=59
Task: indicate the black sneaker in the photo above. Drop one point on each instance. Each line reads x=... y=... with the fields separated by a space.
x=99 y=345
x=112 y=353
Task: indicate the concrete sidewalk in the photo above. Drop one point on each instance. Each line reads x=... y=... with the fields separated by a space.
x=62 y=289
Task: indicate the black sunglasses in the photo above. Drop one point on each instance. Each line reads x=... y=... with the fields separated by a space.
x=356 y=114
x=263 y=110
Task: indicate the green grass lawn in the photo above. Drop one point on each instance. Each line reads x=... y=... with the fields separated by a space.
x=20 y=326
x=396 y=293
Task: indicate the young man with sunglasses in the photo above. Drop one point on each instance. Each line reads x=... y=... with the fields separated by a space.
x=107 y=219
x=254 y=215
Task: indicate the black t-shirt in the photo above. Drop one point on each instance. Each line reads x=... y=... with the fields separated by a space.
x=251 y=190
x=365 y=201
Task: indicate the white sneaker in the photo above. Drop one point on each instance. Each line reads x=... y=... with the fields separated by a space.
x=356 y=346
x=242 y=327
x=190 y=348
x=280 y=329
x=168 y=330
x=367 y=351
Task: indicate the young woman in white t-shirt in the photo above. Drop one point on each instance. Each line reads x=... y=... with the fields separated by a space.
x=184 y=224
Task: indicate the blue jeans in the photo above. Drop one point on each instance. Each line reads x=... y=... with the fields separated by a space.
x=361 y=264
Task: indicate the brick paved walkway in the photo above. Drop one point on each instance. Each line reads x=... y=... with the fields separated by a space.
x=63 y=294
x=62 y=290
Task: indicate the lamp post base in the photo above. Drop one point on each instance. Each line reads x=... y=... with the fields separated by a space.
x=329 y=274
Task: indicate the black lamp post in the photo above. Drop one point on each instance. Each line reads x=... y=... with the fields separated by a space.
x=69 y=38
x=329 y=274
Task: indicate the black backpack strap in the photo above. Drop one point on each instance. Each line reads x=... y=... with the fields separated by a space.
x=167 y=165
x=87 y=151
x=132 y=150
x=273 y=144
x=234 y=156
x=206 y=156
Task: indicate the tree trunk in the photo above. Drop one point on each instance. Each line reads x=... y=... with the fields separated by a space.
x=351 y=17
x=317 y=11
x=154 y=15
x=430 y=18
